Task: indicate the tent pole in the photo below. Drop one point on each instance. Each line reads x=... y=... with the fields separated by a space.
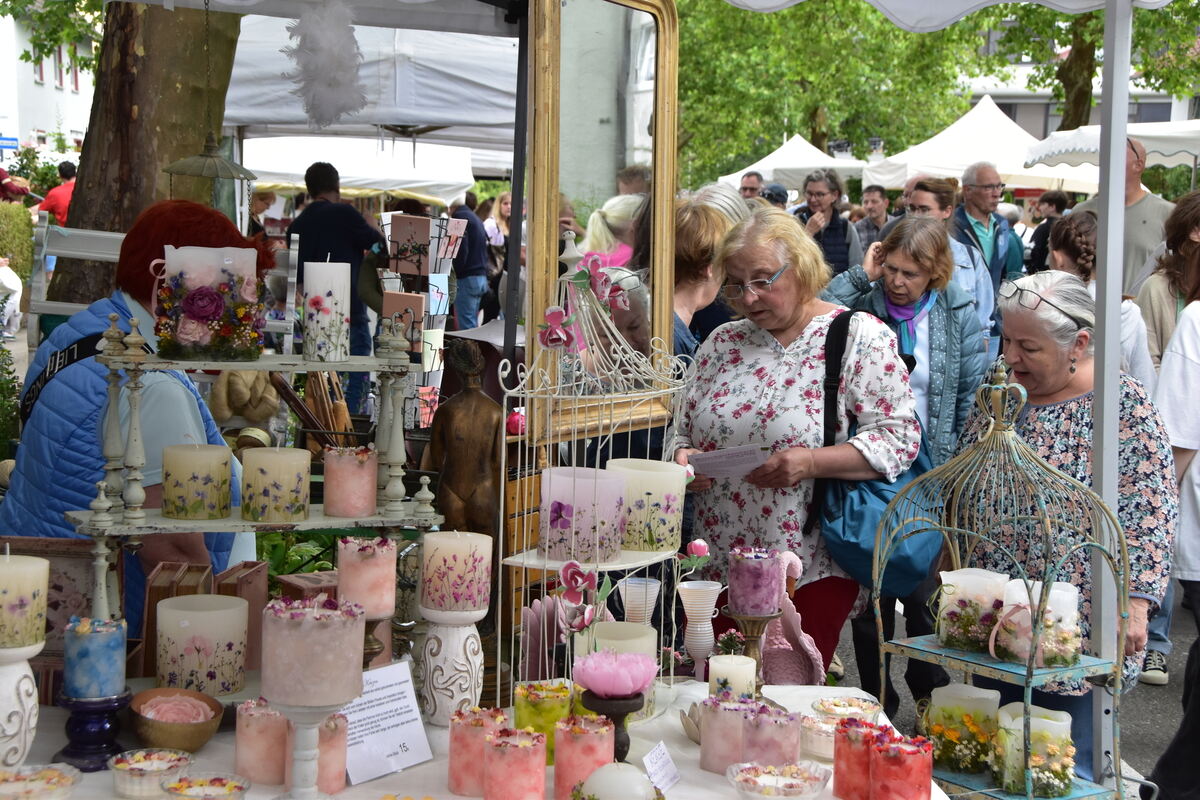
x=513 y=302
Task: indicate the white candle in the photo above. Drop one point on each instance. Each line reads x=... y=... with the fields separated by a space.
x=736 y=673
x=202 y=643
x=626 y=637
x=275 y=484
x=312 y=652
x=196 y=481
x=456 y=576
x=326 y=311
x=653 y=502
x=367 y=575
x=24 y=581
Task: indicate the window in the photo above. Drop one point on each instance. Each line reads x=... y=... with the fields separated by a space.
x=58 y=67
x=39 y=71
x=1151 y=112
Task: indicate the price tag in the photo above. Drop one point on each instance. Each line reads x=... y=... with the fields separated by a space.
x=385 y=730
x=660 y=768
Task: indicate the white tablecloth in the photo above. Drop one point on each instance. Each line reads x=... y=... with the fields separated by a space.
x=429 y=779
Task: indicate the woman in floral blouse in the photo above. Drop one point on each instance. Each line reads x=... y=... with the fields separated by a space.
x=1047 y=339
x=758 y=381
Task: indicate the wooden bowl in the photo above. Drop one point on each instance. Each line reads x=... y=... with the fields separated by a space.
x=189 y=736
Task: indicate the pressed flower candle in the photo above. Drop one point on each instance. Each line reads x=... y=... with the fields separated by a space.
x=351 y=475
x=1051 y=751
x=514 y=765
x=901 y=768
x=653 y=502
x=770 y=736
x=721 y=719
x=736 y=674
x=969 y=606
x=538 y=706
x=331 y=755
x=24 y=581
x=94 y=656
x=581 y=746
x=209 y=304
x=582 y=514
x=367 y=575
x=202 y=643
x=312 y=651
x=326 y=311
x=755 y=581
x=469 y=730
x=275 y=484
x=962 y=724
x=456 y=576
x=1061 y=641
x=196 y=480
x=260 y=743
x=852 y=745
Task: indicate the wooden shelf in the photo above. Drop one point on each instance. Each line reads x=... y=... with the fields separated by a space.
x=156 y=523
x=629 y=559
x=275 y=363
x=982 y=783
x=927 y=648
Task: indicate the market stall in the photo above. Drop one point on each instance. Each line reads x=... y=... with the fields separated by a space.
x=793 y=161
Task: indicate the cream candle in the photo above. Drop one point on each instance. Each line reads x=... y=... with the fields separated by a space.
x=469 y=730
x=538 y=705
x=736 y=674
x=755 y=581
x=94 y=658
x=196 y=481
x=514 y=765
x=260 y=743
x=456 y=576
x=326 y=311
x=350 y=478
x=582 y=514
x=24 y=581
x=962 y=722
x=367 y=575
x=202 y=643
x=332 y=739
x=312 y=651
x=653 y=502
x=581 y=746
x=275 y=484
x=969 y=606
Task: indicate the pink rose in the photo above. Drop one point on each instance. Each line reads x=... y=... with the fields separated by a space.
x=697 y=548
x=250 y=291
x=192 y=332
x=176 y=708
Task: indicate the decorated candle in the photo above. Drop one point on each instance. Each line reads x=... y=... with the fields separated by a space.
x=1051 y=752
x=514 y=765
x=968 y=607
x=755 y=581
x=24 y=581
x=852 y=745
x=653 y=502
x=326 y=311
x=367 y=575
x=275 y=484
x=331 y=755
x=736 y=674
x=581 y=746
x=94 y=658
x=209 y=304
x=721 y=720
x=456 y=577
x=581 y=515
x=350 y=481
x=260 y=743
x=1061 y=641
x=469 y=729
x=770 y=736
x=628 y=637
x=196 y=481
x=539 y=705
x=847 y=707
x=962 y=722
x=816 y=737
x=901 y=768
x=202 y=643
x=312 y=651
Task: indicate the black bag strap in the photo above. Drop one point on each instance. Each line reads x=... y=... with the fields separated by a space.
x=835 y=351
x=58 y=361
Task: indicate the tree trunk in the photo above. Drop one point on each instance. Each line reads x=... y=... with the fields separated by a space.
x=147 y=112
x=818 y=129
x=1076 y=73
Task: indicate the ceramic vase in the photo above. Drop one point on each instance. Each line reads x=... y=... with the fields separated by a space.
x=18 y=703
x=699 y=600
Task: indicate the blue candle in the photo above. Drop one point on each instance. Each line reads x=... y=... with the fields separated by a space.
x=95 y=658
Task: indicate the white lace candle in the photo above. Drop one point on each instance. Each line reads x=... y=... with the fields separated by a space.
x=202 y=643
x=196 y=481
x=275 y=484
x=653 y=502
x=24 y=581
x=367 y=575
x=312 y=651
x=456 y=576
x=326 y=311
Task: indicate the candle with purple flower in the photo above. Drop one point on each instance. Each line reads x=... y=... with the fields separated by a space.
x=326 y=311
x=209 y=304
x=969 y=607
x=456 y=576
x=24 y=581
x=275 y=484
x=721 y=719
x=653 y=502
x=755 y=581
x=196 y=480
x=582 y=514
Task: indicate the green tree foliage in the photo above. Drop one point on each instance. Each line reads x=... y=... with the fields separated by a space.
x=826 y=69
x=42 y=173
x=16 y=238
x=58 y=22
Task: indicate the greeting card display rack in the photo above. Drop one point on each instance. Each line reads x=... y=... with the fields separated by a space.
x=995 y=490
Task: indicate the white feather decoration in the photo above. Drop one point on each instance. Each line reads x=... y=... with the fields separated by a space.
x=327 y=59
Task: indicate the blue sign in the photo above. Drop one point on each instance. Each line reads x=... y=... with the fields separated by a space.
x=8 y=143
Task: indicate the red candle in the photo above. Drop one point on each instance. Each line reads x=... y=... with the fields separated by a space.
x=469 y=730
x=901 y=768
x=514 y=765
x=852 y=759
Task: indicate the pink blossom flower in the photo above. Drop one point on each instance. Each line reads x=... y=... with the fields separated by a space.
x=697 y=547
x=574 y=580
x=250 y=291
x=192 y=331
x=610 y=674
x=556 y=333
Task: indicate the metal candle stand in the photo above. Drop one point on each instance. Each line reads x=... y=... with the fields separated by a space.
x=92 y=730
x=752 y=628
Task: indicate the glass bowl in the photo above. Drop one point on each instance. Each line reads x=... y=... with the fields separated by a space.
x=847 y=707
x=206 y=786
x=140 y=773
x=38 y=782
x=816 y=736
x=804 y=779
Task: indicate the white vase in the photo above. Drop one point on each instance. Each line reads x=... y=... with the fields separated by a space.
x=18 y=703
x=699 y=600
x=698 y=640
x=449 y=671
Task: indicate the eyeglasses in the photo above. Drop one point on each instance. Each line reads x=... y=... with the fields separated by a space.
x=734 y=291
x=920 y=211
x=816 y=195
x=1028 y=298
x=989 y=187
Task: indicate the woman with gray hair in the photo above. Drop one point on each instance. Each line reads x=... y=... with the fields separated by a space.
x=836 y=236
x=1048 y=338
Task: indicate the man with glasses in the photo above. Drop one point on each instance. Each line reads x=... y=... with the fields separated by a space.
x=752 y=184
x=977 y=225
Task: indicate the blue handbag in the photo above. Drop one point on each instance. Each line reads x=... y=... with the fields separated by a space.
x=850 y=511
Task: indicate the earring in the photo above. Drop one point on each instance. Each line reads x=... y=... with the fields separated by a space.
x=1073 y=360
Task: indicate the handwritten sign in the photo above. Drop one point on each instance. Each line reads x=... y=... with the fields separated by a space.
x=385 y=730
x=660 y=768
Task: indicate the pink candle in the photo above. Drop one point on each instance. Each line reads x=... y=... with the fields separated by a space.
x=367 y=575
x=312 y=651
x=852 y=745
x=901 y=768
x=331 y=755
x=770 y=737
x=261 y=743
x=514 y=765
x=581 y=746
x=468 y=734
x=351 y=474
x=755 y=581
x=721 y=732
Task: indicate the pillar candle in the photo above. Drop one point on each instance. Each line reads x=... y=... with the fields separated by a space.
x=350 y=477
x=962 y=722
x=969 y=606
x=581 y=746
x=539 y=705
x=653 y=502
x=24 y=581
x=852 y=745
x=581 y=514
x=770 y=736
x=456 y=576
x=755 y=581
x=260 y=743
x=326 y=311
x=312 y=651
x=332 y=739
x=196 y=481
x=901 y=768
x=721 y=732
x=208 y=304
x=628 y=637
x=469 y=729
x=1061 y=641
x=94 y=658
x=514 y=765
x=275 y=484
x=737 y=674
x=367 y=575
x=202 y=643
x=1052 y=753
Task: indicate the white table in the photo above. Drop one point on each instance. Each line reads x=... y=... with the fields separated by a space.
x=428 y=780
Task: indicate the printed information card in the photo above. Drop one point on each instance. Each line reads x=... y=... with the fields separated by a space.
x=385 y=730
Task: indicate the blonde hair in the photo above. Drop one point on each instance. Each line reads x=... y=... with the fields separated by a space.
x=775 y=229
x=925 y=241
x=610 y=221
x=699 y=230
x=500 y=219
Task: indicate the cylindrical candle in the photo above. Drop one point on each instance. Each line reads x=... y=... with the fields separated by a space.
x=275 y=484
x=901 y=768
x=539 y=705
x=962 y=722
x=721 y=732
x=628 y=637
x=202 y=643
x=456 y=577
x=1052 y=753
x=260 y=743
x=581 y=746
x=755 y=581
x=581 y=514
x=312 y=651
x=94 y=658
x=367 y=575
x=196 y=480
x=736 y=674
x=1061 y=641
x=469 y=730
x=770 y=736
x=326 y=311
x=653 y=502
x=332 y=739
x=969 y=606
x=852 y=745
x=514 y=765
x=350 y=478
x=24 y=581
x=208 y=304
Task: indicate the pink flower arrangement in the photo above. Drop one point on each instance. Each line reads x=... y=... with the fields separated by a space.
x=191 y=331
x=610 y=674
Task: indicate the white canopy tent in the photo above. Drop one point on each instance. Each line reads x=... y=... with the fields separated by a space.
x=985 y=133
x=1169 y=144
x=793 y=161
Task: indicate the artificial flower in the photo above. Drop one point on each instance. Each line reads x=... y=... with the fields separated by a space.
x=697 y=548
x=191 y=331
x=610 y=674
x=556 y=333
x=203 y=303
x=574 y=580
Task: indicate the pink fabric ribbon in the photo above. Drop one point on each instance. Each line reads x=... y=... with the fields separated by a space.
x=1022 y=629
